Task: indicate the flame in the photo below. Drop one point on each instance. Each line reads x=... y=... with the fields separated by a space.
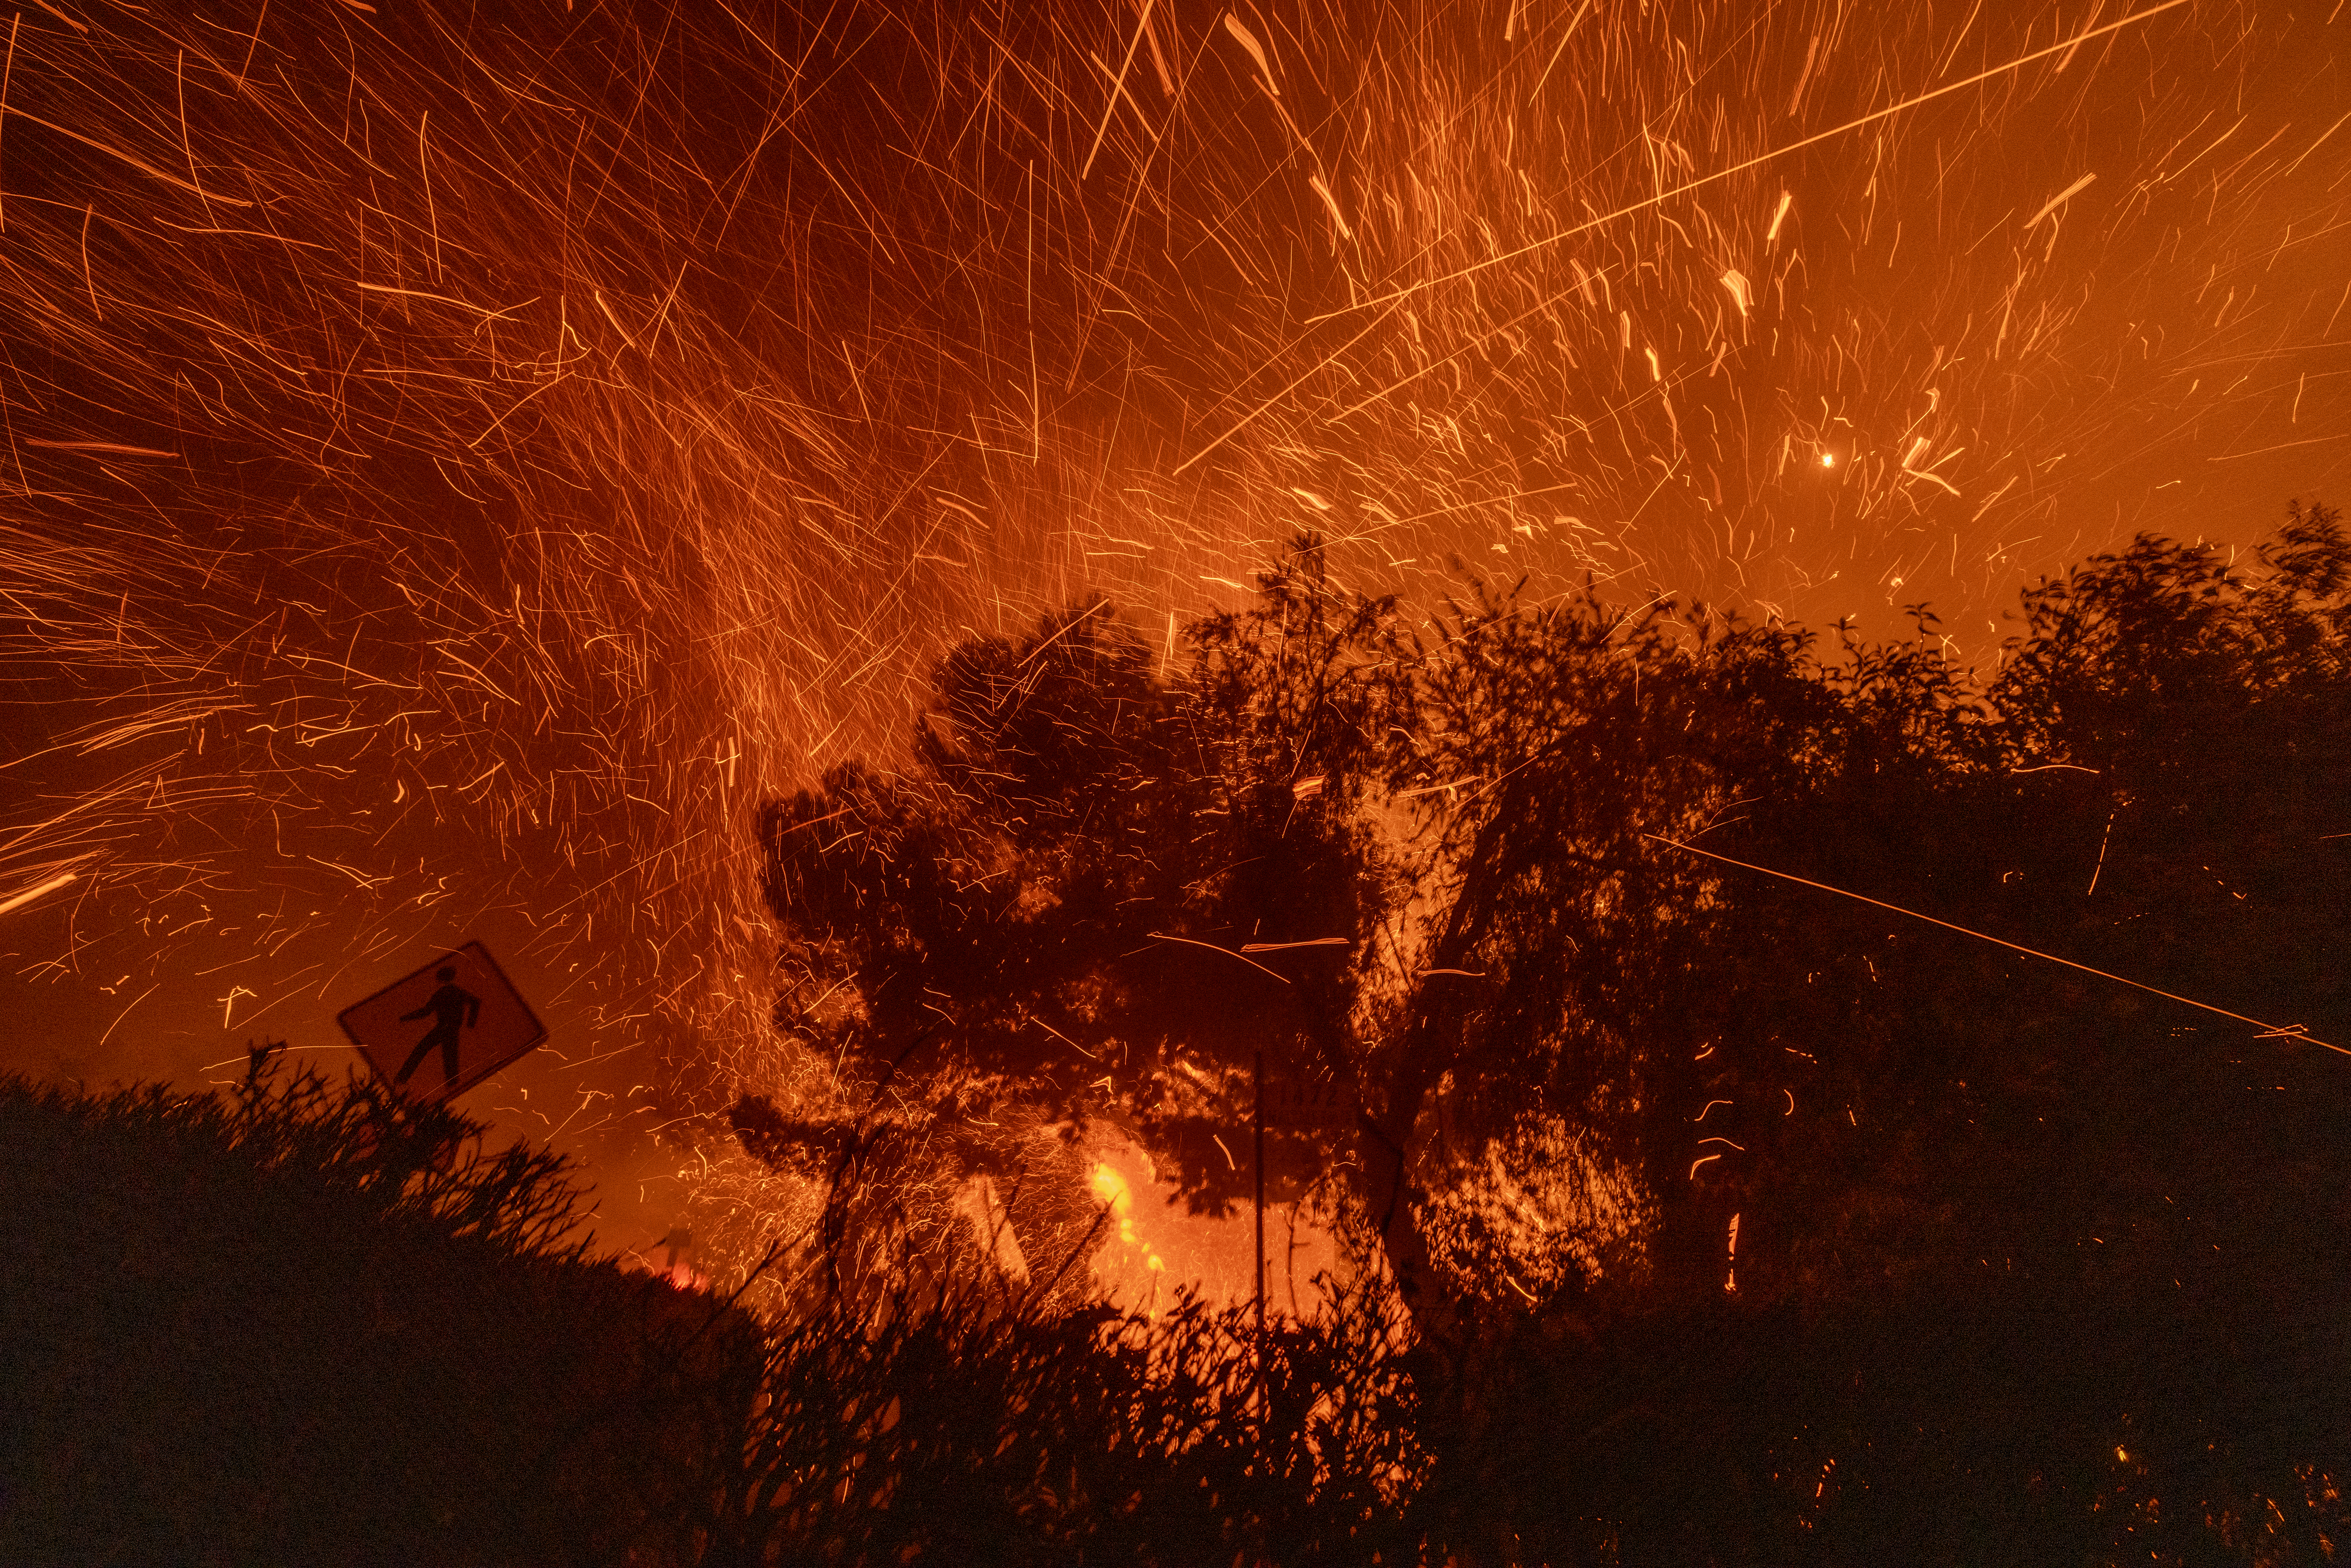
x=1113 y=1193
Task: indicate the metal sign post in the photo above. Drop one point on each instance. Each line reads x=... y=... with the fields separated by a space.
x=1257 y=1138
x=435 y=1034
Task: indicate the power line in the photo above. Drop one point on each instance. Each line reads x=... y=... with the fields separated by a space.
x=2294 y=1032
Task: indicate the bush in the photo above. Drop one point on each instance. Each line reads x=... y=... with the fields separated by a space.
x=307 y=1323
x=963 y=1427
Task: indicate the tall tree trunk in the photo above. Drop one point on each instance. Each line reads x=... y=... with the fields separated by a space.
x=1384 y=1179
x=1434 y=1022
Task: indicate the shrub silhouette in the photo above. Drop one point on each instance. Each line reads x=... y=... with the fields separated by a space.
x=304 y=1323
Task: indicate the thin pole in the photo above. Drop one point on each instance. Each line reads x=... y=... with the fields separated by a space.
x=1257 y=1161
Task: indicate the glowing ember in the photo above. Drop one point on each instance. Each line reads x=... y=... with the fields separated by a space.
x=456 y=469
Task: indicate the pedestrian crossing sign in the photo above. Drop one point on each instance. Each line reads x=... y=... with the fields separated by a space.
x=435 y=1034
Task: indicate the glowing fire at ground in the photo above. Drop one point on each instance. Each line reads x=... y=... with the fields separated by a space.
x=1112 y=1192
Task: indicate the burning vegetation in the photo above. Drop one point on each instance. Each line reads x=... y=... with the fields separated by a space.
x=965 y=590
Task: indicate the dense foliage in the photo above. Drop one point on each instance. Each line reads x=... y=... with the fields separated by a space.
x=306 y=1323
x=965 y=1426
x=1613 y=921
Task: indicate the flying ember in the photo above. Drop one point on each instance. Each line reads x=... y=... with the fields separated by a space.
x=460 y=467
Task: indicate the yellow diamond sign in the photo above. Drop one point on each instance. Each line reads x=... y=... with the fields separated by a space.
x=435 y=1034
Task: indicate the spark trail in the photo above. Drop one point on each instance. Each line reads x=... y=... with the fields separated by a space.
x=454 y=468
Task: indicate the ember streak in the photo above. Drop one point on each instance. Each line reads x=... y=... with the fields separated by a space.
x=458 y=469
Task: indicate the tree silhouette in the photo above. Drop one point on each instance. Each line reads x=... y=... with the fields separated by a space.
x=1451 y=867
x=1056 y=894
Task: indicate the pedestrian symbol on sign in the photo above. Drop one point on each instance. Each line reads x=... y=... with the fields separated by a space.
x=450 y=1007
x=479 y=1024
